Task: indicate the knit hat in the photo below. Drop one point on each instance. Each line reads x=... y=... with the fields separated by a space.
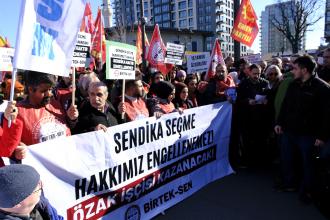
x=181 y=73
x=17 y=182
x=164 y=89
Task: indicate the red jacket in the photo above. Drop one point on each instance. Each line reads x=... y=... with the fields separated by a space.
x=9 y=138
x=136 y=109
x=42 y=124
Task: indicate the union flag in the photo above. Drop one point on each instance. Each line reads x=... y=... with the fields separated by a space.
x=246 y=28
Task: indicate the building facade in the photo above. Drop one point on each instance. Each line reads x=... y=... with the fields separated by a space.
x=273 y=42
x=215 y=16
x=327 y=22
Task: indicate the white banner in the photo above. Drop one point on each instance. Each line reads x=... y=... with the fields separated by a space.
x=135 y=170
x=82 y=50
x=120 y=60
x=174 y=53
x=47 y=35
x=6 y=57
x=198 y=62
x=253 y=58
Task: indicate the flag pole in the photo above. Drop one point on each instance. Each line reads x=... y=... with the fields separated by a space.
x=12 y=91
x=123 y=98
x=73 y=86
x=101 y=42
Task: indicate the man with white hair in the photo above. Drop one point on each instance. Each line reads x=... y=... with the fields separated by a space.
x=97 y=113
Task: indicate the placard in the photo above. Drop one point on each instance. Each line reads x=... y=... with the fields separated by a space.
x=120 y=60
x=174 y=53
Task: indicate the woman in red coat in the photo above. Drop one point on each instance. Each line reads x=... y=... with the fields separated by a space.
x=10 y=137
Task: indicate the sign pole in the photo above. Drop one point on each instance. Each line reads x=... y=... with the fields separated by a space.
x=123 y=98
x=12 y=90
x=73 y=86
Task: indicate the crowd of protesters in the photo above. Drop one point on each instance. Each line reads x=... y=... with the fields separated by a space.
x=280 y=110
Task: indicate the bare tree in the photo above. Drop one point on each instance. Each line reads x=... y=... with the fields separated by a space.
x=296 y=18
x=120 y=30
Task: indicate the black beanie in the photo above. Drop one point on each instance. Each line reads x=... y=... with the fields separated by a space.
x=17 y=182
x=164 y=89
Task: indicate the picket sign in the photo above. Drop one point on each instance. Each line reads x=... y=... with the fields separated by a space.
x=135 y=170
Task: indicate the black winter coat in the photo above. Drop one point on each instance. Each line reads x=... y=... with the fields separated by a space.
x=306 y=109
x=90 y=117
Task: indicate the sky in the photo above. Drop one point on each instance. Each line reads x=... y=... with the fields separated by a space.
x=11 y=9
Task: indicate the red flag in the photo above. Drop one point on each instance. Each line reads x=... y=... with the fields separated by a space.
x=246 y=28
x=98 y=38
x=157 y=52
x=216 y=58
x=83 y=25
x=89 y=15
x=139 y=45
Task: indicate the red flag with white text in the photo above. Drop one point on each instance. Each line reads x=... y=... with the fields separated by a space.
x=246 y=28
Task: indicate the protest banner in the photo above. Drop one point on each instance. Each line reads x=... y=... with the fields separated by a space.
x=174 y=53
x=198 y=62
x=253 y=58
x=120 y=60
x=138 y=169
x=47 y=35
x=6 y=57
x=82 y=50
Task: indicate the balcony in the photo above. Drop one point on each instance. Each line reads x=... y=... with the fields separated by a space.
x=220 y=2
x=220 y=20
x=221 y=31
x=221 y=11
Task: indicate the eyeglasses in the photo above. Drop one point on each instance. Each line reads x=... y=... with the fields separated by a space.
x=40 y=188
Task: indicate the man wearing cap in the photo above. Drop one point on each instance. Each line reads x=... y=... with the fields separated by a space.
x=21 y=195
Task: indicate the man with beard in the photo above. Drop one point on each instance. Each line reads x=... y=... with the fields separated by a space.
x=134 y=107
x=43 y=117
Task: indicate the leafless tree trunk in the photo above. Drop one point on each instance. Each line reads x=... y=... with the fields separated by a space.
x=296 y=18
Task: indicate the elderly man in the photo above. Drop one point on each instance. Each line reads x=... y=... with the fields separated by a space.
x=134 y=106
x=42 y=116
x=21 y=195
x=98 y=113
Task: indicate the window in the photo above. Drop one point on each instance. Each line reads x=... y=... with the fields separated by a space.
x=190 y=12
x=208 y=27
x=191 y=22
x=166 y=24
x=158 y=18
x=183 y=23
x=190 y=3
x=208 y=19
x=146 y=14
x=145 y=5
x=208 y=9
x=166 y=17
x=183 y=14
x=174 y=24
x=165 y=1
x=201 y=20
x=194 y=46
x=166 y=8
x=157 y=2
x=157 y=10
x=182 y=5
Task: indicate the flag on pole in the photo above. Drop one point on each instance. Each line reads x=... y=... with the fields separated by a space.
x=47 y=35
x=139 y=45
x=216 y=58
x=98 y=38
x=157 y=52
x=4 y=42
x=246 y=28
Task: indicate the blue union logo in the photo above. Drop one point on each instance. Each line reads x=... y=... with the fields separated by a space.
x=44 y=36
x=43 y=42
